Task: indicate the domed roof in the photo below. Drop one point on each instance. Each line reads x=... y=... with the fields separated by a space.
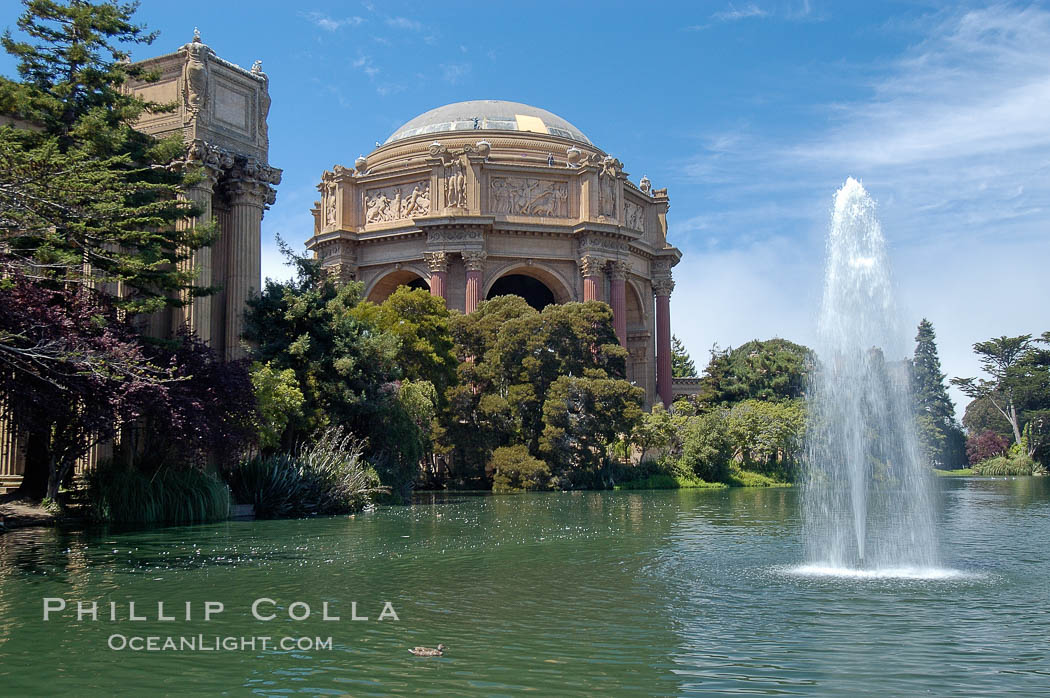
x=491 y=114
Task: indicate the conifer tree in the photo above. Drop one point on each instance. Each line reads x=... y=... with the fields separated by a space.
x=84 y=197
x=940 y=435
x=682 y=365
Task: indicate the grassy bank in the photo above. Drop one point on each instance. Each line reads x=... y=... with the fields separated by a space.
x=963 y=472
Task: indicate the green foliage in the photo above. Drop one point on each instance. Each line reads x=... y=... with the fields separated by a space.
x=280 y=401
x=665 y=481
x=981 y=415
x=328 y=476
x=1012 y=464
x=745 y=478
x=87 y=198
x=961 y=472
x=682 y=365
x=767 y=436
x=772 y=370
x=941 y=439
x=122 y=494
x=423 y=324
x=552 y=381
x=514 y=470
x=707 y=446
x=581 y=417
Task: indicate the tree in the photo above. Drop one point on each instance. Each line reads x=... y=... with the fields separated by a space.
x=345 y=367
x=981 y=416
x=72 y=371
x=1000 y=358
x=941 y=438
x=988 y=444
x=775 y=369
x=682 y=365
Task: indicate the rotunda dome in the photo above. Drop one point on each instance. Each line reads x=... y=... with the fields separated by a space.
x=488 y=114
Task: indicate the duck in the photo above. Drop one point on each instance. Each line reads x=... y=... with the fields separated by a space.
x=428 y=651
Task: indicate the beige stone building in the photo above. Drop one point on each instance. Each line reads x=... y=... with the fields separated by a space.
x=220 y=113
x=485 y=198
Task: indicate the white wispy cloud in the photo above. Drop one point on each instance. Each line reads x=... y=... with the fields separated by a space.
x=404 y=23
x=329 y=23
x=454 y=72
x=952 y=139
x=365 y=64
x=733 y=13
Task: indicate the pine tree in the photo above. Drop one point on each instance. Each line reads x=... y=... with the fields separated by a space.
x=682 y=365
x=84 y=197
x=940 y=435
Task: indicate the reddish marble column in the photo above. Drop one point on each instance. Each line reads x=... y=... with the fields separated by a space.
x=475 y=264
x=592 y=269
x=618 y=301
x=438 y=263
x=662 y=289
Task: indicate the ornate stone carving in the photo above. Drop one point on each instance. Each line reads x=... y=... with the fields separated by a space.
x=436 y=261
x=619 y=269
x=455 y=185
x=574 y=156
x=633 y=216
x=213 y=159
x=361 y=164
x=645 y=185
x=329 y=207
x=397 y=202
x=603 y=244
x=195 y=77
x=474 y=260
x=264 y=107
x=527 y=196
x=662 y=286
x=250 y=182
x=608 y=174
x=591 y=265
x=454 y=235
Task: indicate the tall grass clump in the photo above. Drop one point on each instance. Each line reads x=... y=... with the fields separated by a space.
x=1014 y=464
x=125 y=494
x=327 y=476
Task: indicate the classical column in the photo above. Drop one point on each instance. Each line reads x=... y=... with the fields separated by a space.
x=248 y=198
x=618 y=290
x=662 y=288
x=474 y=261
x=438 y=263
x=196 y=311
x=592 y=269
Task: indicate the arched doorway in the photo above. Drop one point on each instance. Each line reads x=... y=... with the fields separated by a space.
x=390 y=283
x=534 y=291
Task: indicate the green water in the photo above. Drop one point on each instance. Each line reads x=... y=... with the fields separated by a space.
x=633 y=593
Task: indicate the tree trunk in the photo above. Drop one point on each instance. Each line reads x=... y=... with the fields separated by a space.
x=1013 y=423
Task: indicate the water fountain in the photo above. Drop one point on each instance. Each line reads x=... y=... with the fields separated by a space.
x=867 y=508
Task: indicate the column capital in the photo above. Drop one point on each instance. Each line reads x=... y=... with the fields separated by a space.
x=591 y=265
x=619 y=269
x=474 y=260
x=663 y=286
x=437 y=261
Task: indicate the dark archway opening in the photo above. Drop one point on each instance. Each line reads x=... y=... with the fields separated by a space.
x=417 y=283
x=532 y=290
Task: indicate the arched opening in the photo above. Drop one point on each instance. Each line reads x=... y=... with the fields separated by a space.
x=534 y=291
x=390 y=283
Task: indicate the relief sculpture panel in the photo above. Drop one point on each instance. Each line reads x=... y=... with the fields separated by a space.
x=527 y=196
x=397 y=202
x=633 y=216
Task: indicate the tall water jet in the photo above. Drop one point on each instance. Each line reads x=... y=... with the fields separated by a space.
x=866 y=498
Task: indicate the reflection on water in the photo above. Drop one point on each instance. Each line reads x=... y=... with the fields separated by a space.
x=641 y=593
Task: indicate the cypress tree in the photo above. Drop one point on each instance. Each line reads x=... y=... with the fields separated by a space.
x=939 y=433
x=682 y=365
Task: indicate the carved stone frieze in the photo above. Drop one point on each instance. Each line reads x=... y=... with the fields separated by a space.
x=601 y=243
x=633 y=216
x=397 y=202
x=528 y=196
x=455 y=184
x=592 y=265
x=454 y=235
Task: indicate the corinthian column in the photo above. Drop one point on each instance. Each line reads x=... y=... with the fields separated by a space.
x=248 y=198
x=662 y=287
x=438 y=263
x=592 y=269
x=618 y=291
x=196 y=311
x=475 y=264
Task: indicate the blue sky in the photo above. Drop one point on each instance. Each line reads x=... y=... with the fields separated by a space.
x=751 y=113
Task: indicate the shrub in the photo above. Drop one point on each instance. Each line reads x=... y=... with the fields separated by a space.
x=706 y=448
x=986 y=445
x=515 y=470
x=1019 y=464
x=329 y=476
x=122 y=494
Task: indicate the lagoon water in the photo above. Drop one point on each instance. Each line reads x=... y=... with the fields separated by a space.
x=632 y=593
